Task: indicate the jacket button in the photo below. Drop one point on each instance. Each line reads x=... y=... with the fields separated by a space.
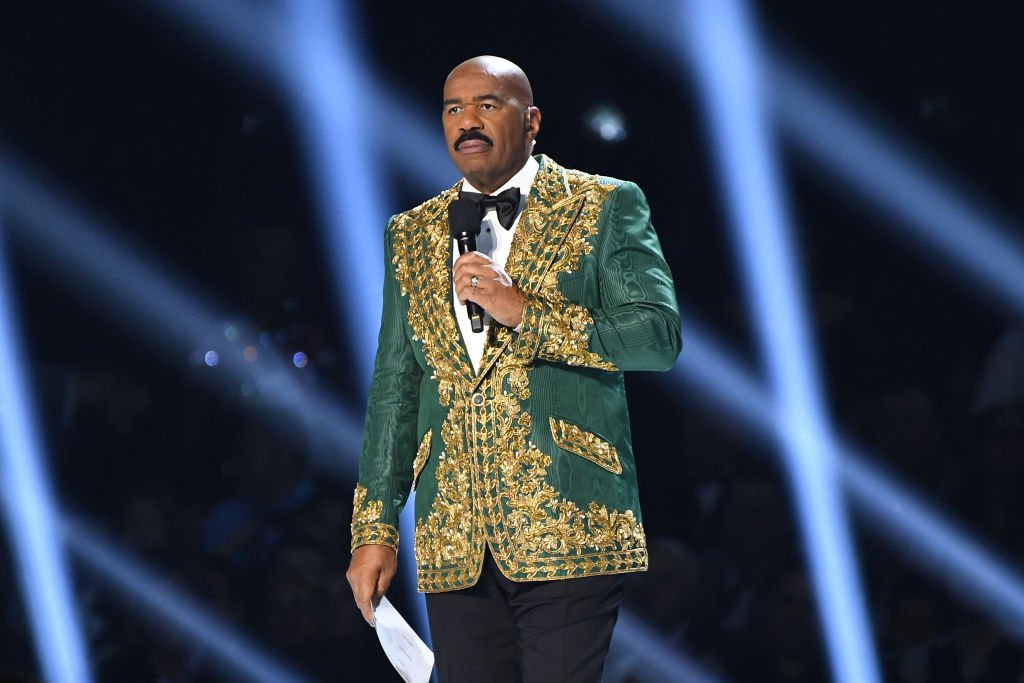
x=478 y=399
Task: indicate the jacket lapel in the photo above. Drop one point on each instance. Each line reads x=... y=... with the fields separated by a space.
x=436 y=305
x=551 y=210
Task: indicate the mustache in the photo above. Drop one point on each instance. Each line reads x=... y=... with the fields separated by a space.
x=472 y=135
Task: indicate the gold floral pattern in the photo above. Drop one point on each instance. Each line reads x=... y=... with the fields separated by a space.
x=572 y=438
x=375 y=534
x=365 y=511
x=422 y=262
x=537 y=532
x=566 y=337
x=558 y=329
x=448 y=541
x=492 y=485
x=366 y=527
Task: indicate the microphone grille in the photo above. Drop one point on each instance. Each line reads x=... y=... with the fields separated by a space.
x=464 y=217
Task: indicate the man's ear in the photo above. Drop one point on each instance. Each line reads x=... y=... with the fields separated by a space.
x=531 y=131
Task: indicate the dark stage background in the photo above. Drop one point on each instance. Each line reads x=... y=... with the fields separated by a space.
x=194 y=158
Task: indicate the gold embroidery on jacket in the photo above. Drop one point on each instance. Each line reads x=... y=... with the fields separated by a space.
x=572 y=438
x=566 y=337
x=375 y=534
x=422 y=454
x=445 y=543
x=538 y=532
x=491 y=483
x=565 y=328
x=363 y=511
x=366 y=527
x=422 y=261
x=612 y=529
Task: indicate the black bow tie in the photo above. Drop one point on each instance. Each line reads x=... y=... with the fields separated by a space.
x=505 y=203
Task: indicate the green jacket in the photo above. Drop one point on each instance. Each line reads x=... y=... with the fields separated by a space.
x=531 y=456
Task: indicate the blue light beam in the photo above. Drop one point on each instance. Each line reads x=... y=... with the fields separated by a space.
x=721 y=47
x=918 y=531
x=30 y=511
x=924 y=536
x=942 y=217
x=653 y=658
x=153 y=304
x=250 y=32
x=402 y=131
x=167 y=606
x=309 y=51
x=330 y=90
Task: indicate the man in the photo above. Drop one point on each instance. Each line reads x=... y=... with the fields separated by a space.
x=516 y=438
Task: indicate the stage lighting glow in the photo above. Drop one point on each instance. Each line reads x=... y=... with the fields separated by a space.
x=922 y=534
x=944 y=219
x=251 y=354
x=607 y=123
x=251 y=31
x=168 y=607
x=168 y=314
x=93 y=265
x=300 y=360
x=933 y=542
x=917 y=530
x=211 y=358
x=230 y=332
x=654 y=659
x=329 y=85
x=329 y=88
x=721 y=46
x=254 y=37
x=30 y=512
x=313 y=55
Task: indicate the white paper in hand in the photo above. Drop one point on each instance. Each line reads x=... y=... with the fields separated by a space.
x=410 y=656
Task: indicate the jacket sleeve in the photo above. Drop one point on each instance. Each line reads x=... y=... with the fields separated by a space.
x=389 y=434
x=636 y=324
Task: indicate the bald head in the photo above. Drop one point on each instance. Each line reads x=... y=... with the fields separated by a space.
x=509 y=74
x=489 y=119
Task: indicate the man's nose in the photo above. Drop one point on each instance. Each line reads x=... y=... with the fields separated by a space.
x=469 y=121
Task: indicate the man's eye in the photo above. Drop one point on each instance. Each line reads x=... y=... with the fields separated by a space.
x=486 y=106
x=454 y=109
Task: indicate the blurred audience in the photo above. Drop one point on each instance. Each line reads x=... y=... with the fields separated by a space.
x=780 y=642
x=231 y=512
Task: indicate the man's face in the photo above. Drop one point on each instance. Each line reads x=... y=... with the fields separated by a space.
x=487 y=128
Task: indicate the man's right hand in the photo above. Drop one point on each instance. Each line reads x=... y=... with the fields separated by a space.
x=369 y=574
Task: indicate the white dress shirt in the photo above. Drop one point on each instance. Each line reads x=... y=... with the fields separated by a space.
x=494 y=241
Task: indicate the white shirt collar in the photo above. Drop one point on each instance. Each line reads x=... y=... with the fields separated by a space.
x=523 y=179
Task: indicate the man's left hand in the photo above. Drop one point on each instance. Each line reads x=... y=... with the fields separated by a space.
x=494 y=292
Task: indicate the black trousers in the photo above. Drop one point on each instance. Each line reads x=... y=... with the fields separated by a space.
x=502 y=631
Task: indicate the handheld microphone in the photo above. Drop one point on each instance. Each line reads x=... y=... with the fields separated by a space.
x=464 y=219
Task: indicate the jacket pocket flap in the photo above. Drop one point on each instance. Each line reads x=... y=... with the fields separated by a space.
x=422 y=454
x=575 y=439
